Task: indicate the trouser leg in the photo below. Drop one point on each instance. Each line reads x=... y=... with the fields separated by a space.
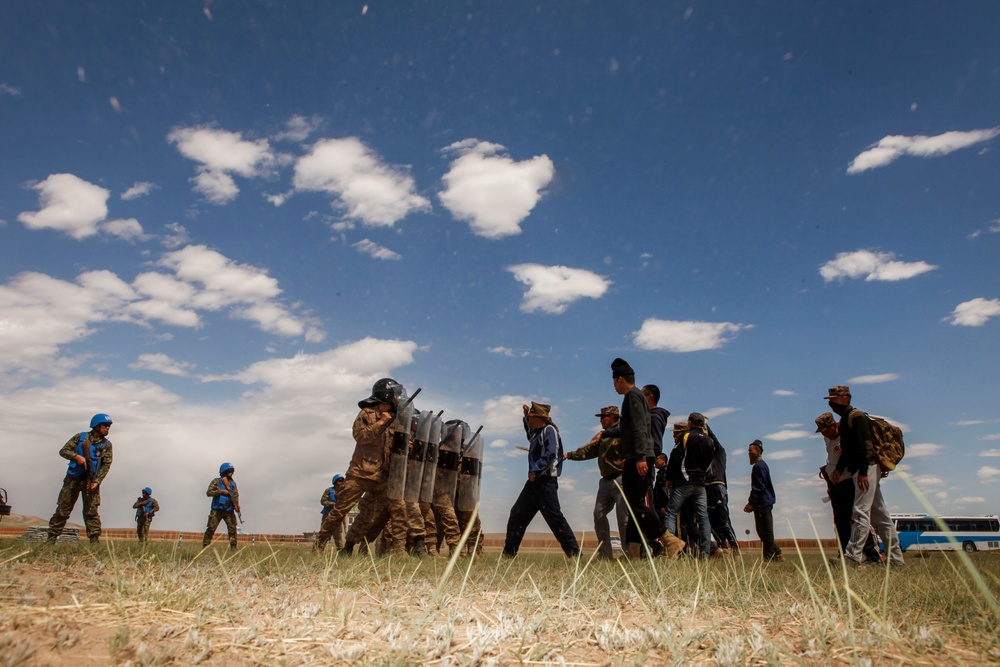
x=230 y=519
x=842 y=503
x=861 y=515
x=521 y=514
x=764 y=523
x=551 y=511
x=700 y=500
x=886 y=528
x=214 y=517
x=447 y=522
x=607 y=499
x=91 y=519
x=64 y=506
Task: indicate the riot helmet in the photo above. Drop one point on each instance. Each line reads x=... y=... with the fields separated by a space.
x=383 y=391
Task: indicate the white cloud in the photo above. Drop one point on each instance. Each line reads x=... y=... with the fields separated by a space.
x=788 y=435
x=139 y=189
x=785 y=454
x=504 y=414
x=128 y=229
x=969 y=422
x=372 y=249
x=492 y=192
x=161 y=363
x=874 y=379
x=891 y=147
x=991 y=436
x=988 y=474
x=551 y=289
x=783 y=392
x=220 y=153
x=923 y=449
x=990 y=453
x=970 y=499
x=873 y=266
x=927 y=480
x=367 y=189
x=298 y=128
x=499 y=443
x=713 y=413
x=176 y=237
x=507 y=352
x=975 y=313
x=6 y=89
x=680 y=336
x=68 y=204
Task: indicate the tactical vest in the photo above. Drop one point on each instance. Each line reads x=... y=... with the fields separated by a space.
x=77 y=471
x=333 y=498
x=221 y=502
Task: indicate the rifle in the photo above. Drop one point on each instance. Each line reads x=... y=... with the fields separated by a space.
x=238 y=515
x=398 y=408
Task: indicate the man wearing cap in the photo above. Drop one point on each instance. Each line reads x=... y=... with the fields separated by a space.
x=696 y=450
x=89 y=454
x=540 y=492
x=638 y=456
x=607 y=451
x=761 y=502
x=145 y=507
x=859 y=460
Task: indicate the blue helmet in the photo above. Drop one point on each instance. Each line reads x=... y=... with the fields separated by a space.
x=147 y=491
x=100 y=418
x=225 y=467
x=337 y=477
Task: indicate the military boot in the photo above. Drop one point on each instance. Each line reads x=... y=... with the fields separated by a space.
x=348 y=550
x=419 y=547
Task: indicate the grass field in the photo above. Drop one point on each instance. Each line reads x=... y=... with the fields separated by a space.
x=122 y=603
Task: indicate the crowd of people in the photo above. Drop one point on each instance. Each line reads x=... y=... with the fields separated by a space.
x=666 y=503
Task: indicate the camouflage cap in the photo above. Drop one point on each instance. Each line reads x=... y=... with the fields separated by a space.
x=611 y=411
x=839 y=390
x=825 y=421
x=680 y=427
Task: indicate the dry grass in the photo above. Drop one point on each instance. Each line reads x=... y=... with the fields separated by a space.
x=123 y=603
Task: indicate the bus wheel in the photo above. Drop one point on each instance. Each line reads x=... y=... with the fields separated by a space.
x=968 y=547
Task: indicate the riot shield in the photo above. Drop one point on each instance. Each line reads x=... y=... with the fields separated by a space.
x=470 y=473
x=415 y=463
x=453 y=434
x=430 y=461
x=399 y=450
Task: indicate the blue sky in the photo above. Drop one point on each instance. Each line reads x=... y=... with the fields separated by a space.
x=222 y=222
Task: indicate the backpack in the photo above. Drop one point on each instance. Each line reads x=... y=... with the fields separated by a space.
x=888 y=441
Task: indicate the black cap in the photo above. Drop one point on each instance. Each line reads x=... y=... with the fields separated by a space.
x=620 y=367
x=697 y=418
x=757 y=443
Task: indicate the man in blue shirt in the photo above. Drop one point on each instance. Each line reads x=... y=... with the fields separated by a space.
x=540 y=492
x=761 y=501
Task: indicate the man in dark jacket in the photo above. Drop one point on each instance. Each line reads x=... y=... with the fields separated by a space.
x=859 y=458
x=657 y=417
x=718 y=498
x=697 y=450
x=607 y=451
x=761 y=501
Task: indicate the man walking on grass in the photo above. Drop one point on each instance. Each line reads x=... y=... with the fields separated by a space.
x=761 y=501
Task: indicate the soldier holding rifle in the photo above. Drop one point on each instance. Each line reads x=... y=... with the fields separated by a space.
x=89 y=455
x=145 y=507
x=225 y=505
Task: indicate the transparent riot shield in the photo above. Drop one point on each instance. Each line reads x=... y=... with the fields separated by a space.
x=453 y=434
x=470 y=473
x=430 y=461
x=399 y=451
x=418 y=448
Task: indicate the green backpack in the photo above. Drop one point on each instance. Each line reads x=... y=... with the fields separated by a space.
x=887 y=438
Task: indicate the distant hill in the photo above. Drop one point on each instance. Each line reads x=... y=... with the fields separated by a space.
x=17 y=520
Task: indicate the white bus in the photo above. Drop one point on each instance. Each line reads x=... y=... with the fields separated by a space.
x=922 y=532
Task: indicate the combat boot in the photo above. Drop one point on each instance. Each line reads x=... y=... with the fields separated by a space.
x=348 y=550
x=673 y=546
x=419 y=547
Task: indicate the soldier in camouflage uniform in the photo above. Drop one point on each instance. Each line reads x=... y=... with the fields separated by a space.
x=430 y=529
x=225 y=504
x=329 y=501
x=89 y=456
x=145 y=508
x=368 y=470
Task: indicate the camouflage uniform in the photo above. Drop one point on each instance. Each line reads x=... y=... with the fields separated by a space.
x=366 y=474
x=474 y=543
x=448 y=530
x=144 y=519
x=73 y=488
x=325 y=529
x=218 y=515
x=430 y=528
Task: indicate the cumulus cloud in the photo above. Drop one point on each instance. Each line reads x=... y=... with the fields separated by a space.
x=367 y=189
x=873 y=379
x=499 y=443
x=219 y=154
x=551 y=289
x=681 y=336
x=162 y=363
x=873 y=266
x=923 y=449
x=988 y=474
x=372 y=249
x=507 y=352
x=788 y=435
x=490 y=191
x=139 y=189
x=783 y=392
x=128 y=229
x=975 y=313
x=712 y=413
x=7 y=89
x=892 y=147
x=68 y=204
x=503 y=414
x=298 y=128
x=785 y=454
